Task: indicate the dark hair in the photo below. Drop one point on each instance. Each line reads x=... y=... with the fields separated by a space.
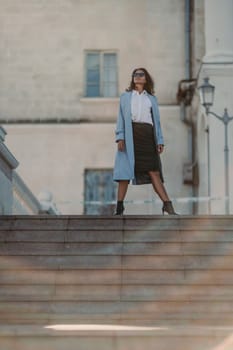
x=149 y=85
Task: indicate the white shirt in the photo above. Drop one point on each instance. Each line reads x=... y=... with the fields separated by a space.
x=141 y=107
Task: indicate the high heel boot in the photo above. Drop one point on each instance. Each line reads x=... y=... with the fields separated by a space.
x=119 y=208
x=168 y=208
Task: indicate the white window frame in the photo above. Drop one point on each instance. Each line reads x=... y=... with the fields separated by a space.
x=101 y=53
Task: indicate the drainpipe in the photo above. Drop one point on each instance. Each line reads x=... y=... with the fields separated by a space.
x=185 y=103
x=188 y=68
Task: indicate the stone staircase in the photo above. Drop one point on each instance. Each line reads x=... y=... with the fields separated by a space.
x=116 y=283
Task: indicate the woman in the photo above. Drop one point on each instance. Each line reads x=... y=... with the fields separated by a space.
x=139 y=140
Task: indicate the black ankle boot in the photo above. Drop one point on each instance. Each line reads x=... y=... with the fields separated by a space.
x=119 y=208
x=168 y=208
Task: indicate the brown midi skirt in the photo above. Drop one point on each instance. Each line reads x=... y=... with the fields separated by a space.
x=145 y=150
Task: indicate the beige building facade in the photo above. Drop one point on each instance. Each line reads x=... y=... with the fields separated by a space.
x=217 y=65
x=63 y=66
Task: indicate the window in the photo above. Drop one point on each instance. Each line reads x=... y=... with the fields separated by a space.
x=101 y=74
x=100 y=192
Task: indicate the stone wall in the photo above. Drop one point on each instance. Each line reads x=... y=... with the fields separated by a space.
x=43 y=45
x=217 y=64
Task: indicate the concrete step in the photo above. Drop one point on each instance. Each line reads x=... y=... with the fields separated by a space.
x=112 y=223
x=118 y=292
x=150 y=319
x=108 y=262
x=61 y=236
x=98 y=276
x=123 y=309
x=115 y=337
x=124 y=248
x=117 y=236
x=114 y=277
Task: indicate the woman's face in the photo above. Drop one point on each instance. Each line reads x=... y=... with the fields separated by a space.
x=139 y=77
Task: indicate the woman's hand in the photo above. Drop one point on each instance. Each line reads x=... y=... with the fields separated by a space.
x=160 y=148
x=121 y=145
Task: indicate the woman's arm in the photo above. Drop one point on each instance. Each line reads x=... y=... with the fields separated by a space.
x=121 y=145
x=160 y=148
x=159 y=133
x=120 y=126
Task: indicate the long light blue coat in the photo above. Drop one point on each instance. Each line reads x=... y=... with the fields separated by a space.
x=124 y=161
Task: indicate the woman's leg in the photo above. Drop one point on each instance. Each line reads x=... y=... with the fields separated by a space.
x=158 y=186
x=162 y=193
x=122 y=190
